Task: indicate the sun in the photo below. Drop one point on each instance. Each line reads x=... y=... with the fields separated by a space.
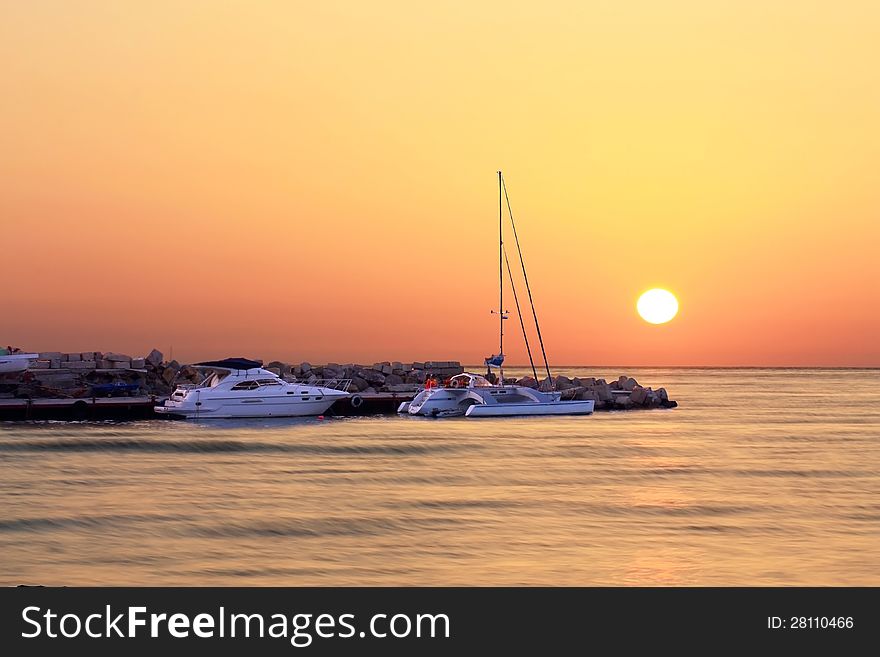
x=657 y=306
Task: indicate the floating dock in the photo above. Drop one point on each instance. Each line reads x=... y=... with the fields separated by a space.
x=93 y=408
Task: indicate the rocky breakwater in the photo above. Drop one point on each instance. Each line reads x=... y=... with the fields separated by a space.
x=62 y=375
x=386 y=376
x=108 y=374
x=625 y=393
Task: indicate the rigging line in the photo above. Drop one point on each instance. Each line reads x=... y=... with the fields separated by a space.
x=526 y=279
x=519 y=314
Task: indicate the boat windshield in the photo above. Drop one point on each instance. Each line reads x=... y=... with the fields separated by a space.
x=469 y=380
x=212 y=379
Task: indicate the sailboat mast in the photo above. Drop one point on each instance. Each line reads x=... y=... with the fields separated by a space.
x=500 y=275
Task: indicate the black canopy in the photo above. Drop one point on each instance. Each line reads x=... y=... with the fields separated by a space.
x=233 y=363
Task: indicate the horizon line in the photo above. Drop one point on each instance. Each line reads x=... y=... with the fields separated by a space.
x=710 y=367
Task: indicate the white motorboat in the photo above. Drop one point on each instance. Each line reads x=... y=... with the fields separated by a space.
x=473 y=395
x=241 y=388
x=16 y=362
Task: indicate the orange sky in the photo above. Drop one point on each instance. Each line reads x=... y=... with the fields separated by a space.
x=317 y=180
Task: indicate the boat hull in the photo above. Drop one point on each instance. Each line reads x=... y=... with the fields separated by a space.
x=440 y=402
x=522 y=410
x=225 y=409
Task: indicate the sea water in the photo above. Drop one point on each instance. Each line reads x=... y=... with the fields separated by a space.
x=759 y=477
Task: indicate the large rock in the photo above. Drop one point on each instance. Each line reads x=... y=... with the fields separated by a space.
x=662 y=395
x=155 y=358
x=587 y=394
x=87 y=355
x=50 y=355
x=118 y=358
x=626 y=383
x=333 y=371
x=282 y=367
x=138 y=363
x=416 y=376
x=383 y=368
x=72 y=358
x=358 y=384
x=169 y=374
x=443 y=373
x=563 y=382
x=393 y=380
x=639 y=395
x=372 y=377
x=623 y=402
x=528 y=382
x=546 y=385
x=587 y=382
x=602 y=391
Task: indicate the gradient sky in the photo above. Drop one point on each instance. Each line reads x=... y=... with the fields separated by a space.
x=317 y=180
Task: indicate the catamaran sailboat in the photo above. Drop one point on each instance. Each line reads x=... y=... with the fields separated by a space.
x=241 y=388
x=473 y=395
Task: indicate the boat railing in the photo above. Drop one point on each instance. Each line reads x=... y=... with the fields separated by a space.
x=333 y=384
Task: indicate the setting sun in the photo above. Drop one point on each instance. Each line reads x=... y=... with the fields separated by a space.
x=657 y=306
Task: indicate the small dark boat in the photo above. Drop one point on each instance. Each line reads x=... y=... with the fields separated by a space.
x=114 y=389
